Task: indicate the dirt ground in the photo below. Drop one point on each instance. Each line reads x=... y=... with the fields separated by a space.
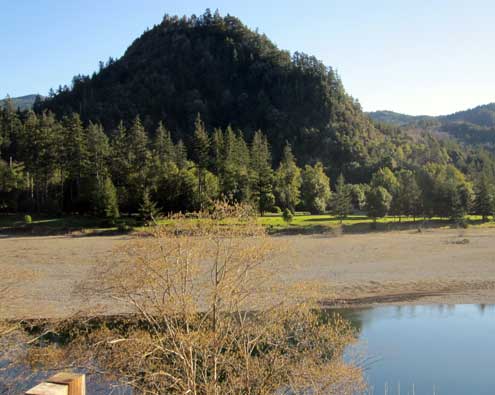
x=434 y=266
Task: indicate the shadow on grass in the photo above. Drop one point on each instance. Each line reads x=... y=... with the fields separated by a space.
x=336 y=220
x=73 y=226
x=335 y=229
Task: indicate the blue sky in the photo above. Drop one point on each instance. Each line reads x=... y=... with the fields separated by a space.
x=417 y=57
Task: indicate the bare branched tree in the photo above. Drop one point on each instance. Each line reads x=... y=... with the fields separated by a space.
x=205 y=315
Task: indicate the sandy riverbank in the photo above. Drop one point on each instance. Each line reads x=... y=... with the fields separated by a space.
x=435 y=266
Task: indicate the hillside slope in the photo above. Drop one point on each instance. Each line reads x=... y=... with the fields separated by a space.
x=475 y=126
x=396 y=118
x=217 y=67
x=21 y=102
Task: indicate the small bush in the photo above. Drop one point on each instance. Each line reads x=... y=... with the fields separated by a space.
x=123 y=227
x=28 y=219
x=462 y=223
x=287 y=216
x=277 y=210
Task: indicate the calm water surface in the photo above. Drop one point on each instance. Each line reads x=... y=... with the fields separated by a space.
x=442 y=350
x=427 y=349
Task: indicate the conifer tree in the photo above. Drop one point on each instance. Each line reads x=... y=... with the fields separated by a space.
x=408 y=197
x=485 y=197
x=74 y=156
x=98 y=152
x=342 y=201
x=288 y=181
x=148 y=210
x=181 y=155
x=137 y=146
x=217 y=151
x=201 y=150
x=120 y=166
x=106 y=200
x=163 y=146
x=261 y=174
x=457 y=208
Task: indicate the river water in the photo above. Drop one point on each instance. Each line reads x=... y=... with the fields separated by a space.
x=440 y=349
x=437 y=349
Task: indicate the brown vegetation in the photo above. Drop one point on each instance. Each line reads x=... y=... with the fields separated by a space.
x=202 y=320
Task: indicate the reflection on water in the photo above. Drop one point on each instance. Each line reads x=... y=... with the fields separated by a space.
x=441 y=349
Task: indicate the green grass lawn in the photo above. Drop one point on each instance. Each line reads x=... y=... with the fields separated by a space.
x=358 y=223
x=301 y=223
x=53 y=224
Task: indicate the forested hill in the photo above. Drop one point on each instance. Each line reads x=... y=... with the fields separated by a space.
x=21 y=102
x=230 y=75
x=202 y=108
x=475 y=126
x=482 y=116
x=396 y=118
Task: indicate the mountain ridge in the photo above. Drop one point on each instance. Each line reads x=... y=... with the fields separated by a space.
x=25 y=102
x=217 y=67
x=474 y=126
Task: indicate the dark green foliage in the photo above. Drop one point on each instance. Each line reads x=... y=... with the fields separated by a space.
x=385 y=178
x=358 y=195
x=473 y=126
x=230 y=75
x=148 y=210
x=408 y=197
x=484 y=204
x=458 y=207
x=12 y=181
x=261 y=173
x=57 y=166
x=235 y=108
x=315 y=189
x=28 y=219
x=163 y=146
x=287 y=215
x=232 y=159
x=378 y=201
x=201 y=156
x=444 y=187
x=342 y=199
x=288 y=181
x=106 y=200
x=395 y=118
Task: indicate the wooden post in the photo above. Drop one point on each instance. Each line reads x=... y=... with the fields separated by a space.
x=75 y=382
x=49 y=389
x=61 y=384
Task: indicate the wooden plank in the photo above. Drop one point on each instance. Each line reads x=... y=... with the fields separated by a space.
x=49 y=389
x=75 y=382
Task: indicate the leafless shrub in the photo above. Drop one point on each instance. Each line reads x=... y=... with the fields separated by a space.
x=12 y=338
x=204 y=317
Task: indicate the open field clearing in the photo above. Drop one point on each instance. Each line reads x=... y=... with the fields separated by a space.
x=437 y=266
x=301 y=223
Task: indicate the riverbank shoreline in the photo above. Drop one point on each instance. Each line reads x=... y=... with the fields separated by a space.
x=435 y=266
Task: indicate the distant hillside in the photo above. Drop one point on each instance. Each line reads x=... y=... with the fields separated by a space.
x=482 y=116
x=230 y=75
x=475 y=126
x=21 y=102
x=395 y=118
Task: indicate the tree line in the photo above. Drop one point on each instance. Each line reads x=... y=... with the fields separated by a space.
x=64 y=166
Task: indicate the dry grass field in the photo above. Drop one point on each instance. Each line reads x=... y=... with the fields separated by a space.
x=432 y=266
